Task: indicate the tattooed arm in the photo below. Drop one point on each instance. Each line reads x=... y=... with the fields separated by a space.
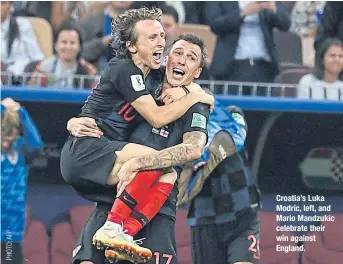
x=189 y=150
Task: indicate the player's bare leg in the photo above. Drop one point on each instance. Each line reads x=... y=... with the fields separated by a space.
x=129 y=151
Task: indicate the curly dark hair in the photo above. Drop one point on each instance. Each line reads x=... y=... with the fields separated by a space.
x=123 y=28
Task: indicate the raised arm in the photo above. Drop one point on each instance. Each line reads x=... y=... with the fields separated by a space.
x=32 y=138
x=227 y=134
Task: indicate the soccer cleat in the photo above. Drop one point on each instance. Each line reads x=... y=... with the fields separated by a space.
x=113 y=256
x=126 y=248
x=103 y=236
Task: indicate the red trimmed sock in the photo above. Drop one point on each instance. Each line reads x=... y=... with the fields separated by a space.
x=132 y=195
x=146 y=210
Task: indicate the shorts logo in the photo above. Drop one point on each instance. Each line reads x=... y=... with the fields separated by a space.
x=137 y=82
x=76 y=250
x=238 y=118
x=128 y=200
x=198 y=120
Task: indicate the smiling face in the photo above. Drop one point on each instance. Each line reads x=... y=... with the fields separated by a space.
x=150 y=43
x=183 y=63
x=68 y=45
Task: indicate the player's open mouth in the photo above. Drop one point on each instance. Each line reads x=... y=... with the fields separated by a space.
x=178 y=72
x=157 y=56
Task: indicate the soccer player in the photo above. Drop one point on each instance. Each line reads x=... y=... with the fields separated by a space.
x=188 y=55
x=138 y=44
x=20 y=141
x=224 y=199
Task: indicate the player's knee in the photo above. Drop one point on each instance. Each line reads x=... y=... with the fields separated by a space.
x=87 y=262
x=112 y=179
x=169 y=177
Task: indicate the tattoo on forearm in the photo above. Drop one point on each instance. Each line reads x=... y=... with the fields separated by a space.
x=176 y=155
x=195 y=138
x=169 y=157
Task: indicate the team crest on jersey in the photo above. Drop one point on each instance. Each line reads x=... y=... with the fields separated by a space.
x=162 y=132
x=137 y=82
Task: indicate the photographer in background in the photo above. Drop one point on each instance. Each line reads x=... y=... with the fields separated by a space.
x=20 y=140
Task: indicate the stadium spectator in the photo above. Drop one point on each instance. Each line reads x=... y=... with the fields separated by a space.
x=19 y=44
x=330 y=24
x=55 y=12
x=59 y=70
x=237 y=25
x=324 y=82
x=76 y=10
x=20 y=140
x=195 y=12
x=177 y=5
x=96 y=31
x=180 y=9
x=304 y=17
x=170 y=23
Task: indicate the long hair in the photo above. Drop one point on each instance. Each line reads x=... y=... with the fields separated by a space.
x=13 y=33
x=123 y=28
x=319 y=67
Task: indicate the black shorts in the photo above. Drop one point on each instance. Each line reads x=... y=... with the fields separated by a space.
x=227 y=243
x=86 y=163
x=159 y=234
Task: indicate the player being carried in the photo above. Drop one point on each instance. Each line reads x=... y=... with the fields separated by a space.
x=180 y=56
x=91 y=165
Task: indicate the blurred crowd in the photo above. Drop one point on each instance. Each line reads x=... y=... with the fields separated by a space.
x=245 y=50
